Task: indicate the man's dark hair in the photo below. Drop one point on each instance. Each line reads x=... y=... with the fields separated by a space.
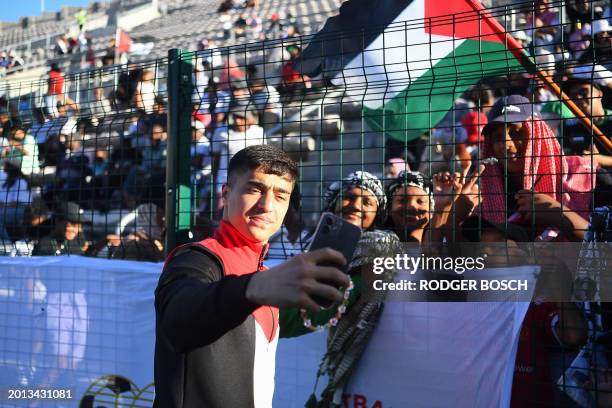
x=576 y=81
x=265 y=158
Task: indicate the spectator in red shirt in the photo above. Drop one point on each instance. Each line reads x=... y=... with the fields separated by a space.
x=474 y=123
x=292 y=79
x=231 y=72
x=547 y=329
x=55 y=92
x=56 y=81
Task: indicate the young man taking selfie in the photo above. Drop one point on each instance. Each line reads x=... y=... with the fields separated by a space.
x=217 y=305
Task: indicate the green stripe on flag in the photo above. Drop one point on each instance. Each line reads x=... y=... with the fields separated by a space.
x=424 y=103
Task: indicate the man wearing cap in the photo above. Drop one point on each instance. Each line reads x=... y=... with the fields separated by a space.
x=587 y=94
x=532 y=182
x=600 y=51
x=67 y=237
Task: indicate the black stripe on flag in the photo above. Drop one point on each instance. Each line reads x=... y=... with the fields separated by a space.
x=347 y=34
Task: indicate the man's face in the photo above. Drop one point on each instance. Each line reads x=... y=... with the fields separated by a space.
x=256 y=87
x=509 y=143
x=603 y=41
x=196 y=135
x=410 y=208
x=358 y=206
x=255 y=203
x=158 y=134
x=19 y=134
x=240 y=120
x=582 y=5
x=71 y=230
x=588 y=99
x=542 y=6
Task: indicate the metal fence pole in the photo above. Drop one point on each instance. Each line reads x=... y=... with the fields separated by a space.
x=178 y=190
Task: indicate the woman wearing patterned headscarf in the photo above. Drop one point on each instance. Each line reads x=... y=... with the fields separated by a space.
x=359 y=198
x=410 y=205
x=542 y=187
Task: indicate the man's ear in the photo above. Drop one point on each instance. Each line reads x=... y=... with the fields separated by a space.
x=224 y=193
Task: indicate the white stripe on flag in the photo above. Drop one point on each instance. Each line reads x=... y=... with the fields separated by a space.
x=395 y=59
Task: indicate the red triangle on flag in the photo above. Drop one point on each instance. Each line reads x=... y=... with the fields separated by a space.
x=125 y=42
x=459 y=19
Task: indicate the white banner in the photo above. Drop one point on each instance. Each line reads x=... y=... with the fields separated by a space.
x=85 y=328
x=423 y=354
x=66 y=322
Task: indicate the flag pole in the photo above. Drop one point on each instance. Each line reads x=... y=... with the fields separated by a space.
x=525 y=59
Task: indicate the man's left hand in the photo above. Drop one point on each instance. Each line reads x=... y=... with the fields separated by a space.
x=548 y=209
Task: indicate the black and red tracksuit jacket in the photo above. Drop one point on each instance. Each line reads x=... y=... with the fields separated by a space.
x=213 y=347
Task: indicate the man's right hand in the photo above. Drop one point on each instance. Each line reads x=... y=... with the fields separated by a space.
x=294 y=283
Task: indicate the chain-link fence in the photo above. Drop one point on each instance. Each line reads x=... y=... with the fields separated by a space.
x=482 y=126
x=84 y=162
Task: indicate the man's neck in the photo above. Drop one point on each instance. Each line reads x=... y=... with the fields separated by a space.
x=230 y=225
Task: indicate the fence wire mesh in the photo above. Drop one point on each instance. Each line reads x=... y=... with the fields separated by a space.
x=485 y=126
x=85 y=152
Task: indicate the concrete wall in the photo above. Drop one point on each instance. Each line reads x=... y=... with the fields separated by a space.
x=138 y=16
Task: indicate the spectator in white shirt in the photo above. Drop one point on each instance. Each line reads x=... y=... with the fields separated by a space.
x=242 y=132
x=144 y=97
x=266 y=100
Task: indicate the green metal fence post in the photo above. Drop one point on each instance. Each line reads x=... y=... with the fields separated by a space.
x=178 y=190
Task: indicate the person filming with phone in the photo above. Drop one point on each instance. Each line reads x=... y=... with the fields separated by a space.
x=216 y=304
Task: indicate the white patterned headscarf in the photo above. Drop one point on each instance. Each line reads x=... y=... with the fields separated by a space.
x=412 y=179
x=361 y=179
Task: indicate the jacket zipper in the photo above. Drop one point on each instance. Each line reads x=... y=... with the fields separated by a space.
x=259 y=269
x=261 y=259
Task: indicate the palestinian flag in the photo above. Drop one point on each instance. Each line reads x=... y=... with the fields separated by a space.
x=407 y=61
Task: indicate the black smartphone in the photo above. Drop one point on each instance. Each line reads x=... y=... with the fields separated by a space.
x=335 y=233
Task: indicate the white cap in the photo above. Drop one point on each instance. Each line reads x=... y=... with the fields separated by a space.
x=596 y=73
x=600 y=26
x=69 y=127
x=521 y=35
x=545 y=59
x=198 y=125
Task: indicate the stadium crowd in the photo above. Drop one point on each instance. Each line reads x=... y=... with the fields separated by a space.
x=234 y=105
x=73 y=157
